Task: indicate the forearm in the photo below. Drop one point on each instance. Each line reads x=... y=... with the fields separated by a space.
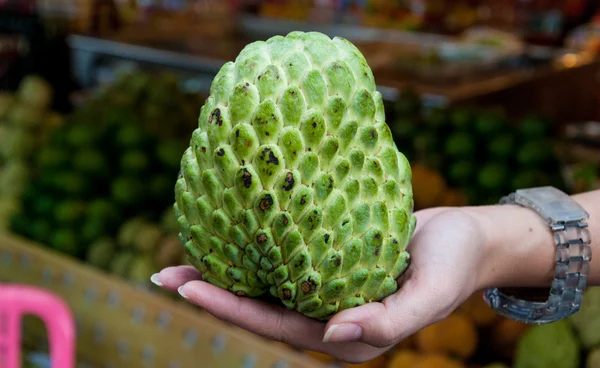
x=519 y=246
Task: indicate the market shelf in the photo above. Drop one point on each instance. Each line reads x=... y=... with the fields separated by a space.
x=119 y=325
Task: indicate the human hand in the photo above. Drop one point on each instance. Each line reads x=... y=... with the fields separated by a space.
x=447 y=251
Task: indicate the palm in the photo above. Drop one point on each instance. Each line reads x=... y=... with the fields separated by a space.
x=445 y=252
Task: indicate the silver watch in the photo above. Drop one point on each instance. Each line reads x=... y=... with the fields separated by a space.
x=567 y=220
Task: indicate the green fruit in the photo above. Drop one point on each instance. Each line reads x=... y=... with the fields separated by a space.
x=490 y=123
x=134 y=162
x=70 y=183
x=548 y=345
x=94 y=229
x=460 y=144
x=121 y=263
x=68 y=212
x=81 y=136
x=534 y=153
x=51 y=157
x=41 y=231
x=131 y=136
x=533 y=127
x=102 y=209
x=35 y=92
x=142 y=268
x=292 y=184
x=147 y=238
x=91 y=162
x=127 y=191
x=493 y=176
x=462 y=117
x=18 y=144
x=25 y=117
x=13 y=178
x=128 y=232
x=7 y=101
x=65 y=240
x=502 y=147
x=101 y=252
x=525 y=179
x=461 y=172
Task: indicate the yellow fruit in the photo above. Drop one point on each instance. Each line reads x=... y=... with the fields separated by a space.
x=404 y=359
x=476 y=308
x=408 y=343
x=438 y=361
x=325 y=358
x=428 y=187
x=505 y=335
x=454 y=335
x=454 y=198
x=379 y=362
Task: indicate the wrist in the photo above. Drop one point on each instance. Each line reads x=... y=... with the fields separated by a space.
x=518 y=247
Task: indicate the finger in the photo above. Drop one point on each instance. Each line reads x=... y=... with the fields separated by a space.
x=397 y=317
x=271 y=321
x=171 y=278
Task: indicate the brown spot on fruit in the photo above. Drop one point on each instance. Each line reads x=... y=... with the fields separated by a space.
x=287 y=293
x=377 y=250
x=261 y=239
x=221 y=152
x=237 y=133
x=289 y=182
x=284 y=219
x=203 y=149
x=246 y=178
x=326 y=238
x=240 y=293
x=266 y=202
x=216 y=115
x=303 y=199
x=308 y=286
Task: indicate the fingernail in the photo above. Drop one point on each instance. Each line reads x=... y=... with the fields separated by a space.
x=154 y=279
x=345 y=332
x=180 y=291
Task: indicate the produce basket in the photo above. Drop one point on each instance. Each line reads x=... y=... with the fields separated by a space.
x=121 y=326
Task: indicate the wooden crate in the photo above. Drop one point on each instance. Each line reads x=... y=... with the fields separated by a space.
x=121 y=326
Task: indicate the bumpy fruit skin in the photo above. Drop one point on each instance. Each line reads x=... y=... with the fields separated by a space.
x=292 y=183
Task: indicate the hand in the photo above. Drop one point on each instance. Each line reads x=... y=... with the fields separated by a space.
x=447 y=251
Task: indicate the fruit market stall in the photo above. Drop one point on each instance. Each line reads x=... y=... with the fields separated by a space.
x=86 y=195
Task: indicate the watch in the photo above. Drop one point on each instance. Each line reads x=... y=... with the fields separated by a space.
x=567 y=221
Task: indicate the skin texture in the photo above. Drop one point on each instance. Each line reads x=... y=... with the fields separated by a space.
x=456 y=251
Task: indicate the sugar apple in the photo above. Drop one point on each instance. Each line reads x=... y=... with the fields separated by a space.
x=292 y=183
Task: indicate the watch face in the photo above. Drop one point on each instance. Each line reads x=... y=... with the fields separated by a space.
x=554 y=205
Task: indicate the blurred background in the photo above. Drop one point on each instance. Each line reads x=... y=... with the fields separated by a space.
x=98 y=99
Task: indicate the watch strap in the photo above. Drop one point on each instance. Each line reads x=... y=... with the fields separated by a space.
x=573 y=255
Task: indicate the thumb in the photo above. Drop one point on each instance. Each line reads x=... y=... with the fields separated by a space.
x=394 y=319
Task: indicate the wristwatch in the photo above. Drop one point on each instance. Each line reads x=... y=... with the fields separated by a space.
x=567 y=220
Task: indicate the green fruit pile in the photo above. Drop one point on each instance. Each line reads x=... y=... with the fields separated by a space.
x=140 y=248
x=25 y=123
x=103 y=167
x=478 y=150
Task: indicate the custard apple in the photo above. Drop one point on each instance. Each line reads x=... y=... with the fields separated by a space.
x=292 y=184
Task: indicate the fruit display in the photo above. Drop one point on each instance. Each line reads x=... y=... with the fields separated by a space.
x=140 y=248
x=105 y=166
x=292 y=184
x=26 y=120
x=480 y=152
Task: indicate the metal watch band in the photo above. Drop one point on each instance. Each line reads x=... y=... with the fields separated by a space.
x=573 y=255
